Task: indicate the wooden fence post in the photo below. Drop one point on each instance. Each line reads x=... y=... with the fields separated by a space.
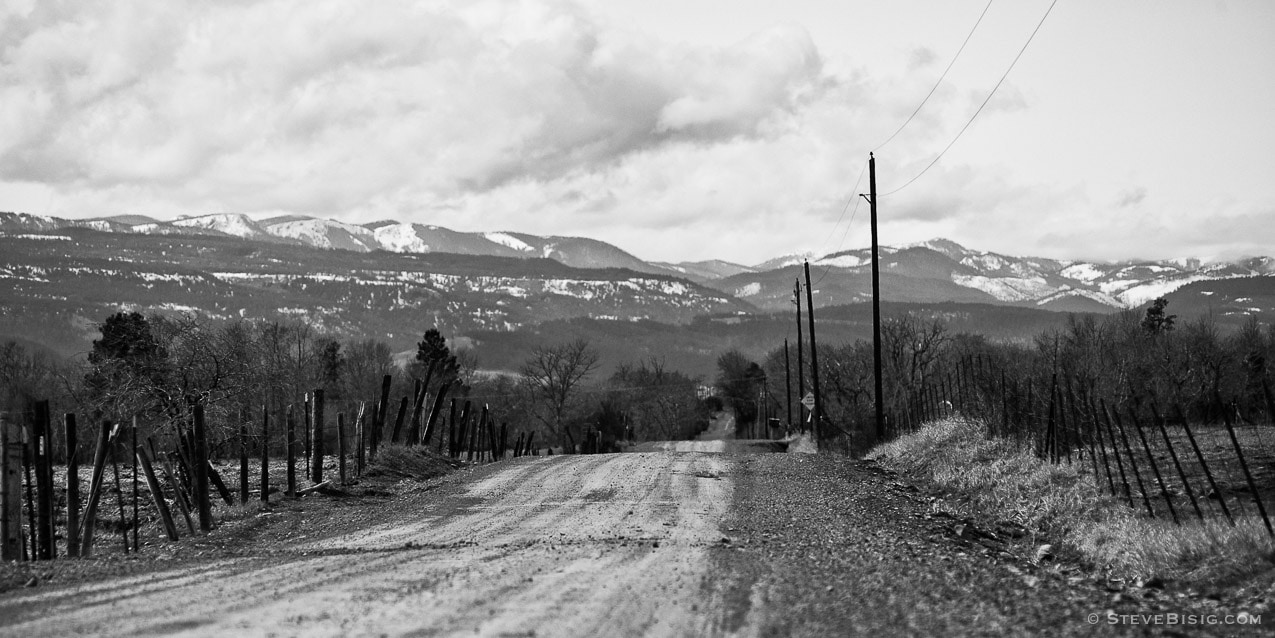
x=137 y=547
x=95 y=490
x=1248 y=476
x=178 y=496
x=44 y=480
x=1155 y=467
x=1133 y=465
x=382 y=413
x=305 y=430
x=340 y=445
x=72 y=488
x=359 y=429
x=157 y=494
x=398 y=421
x=1186 y=485
x=119 y=494
x=10 y=489
x=1208 y=474
x=1115 y=452
x=203 y=501
x=243 y=456
x=292 y=452
x=265 y=455
x=316 y=445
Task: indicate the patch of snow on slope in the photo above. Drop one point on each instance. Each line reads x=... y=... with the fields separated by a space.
x=1113 y=287
x=1087 y=273
x=843 y=261
x=230 y=223
x=748 y=290
x=984 y=262
x=1142 y=293
x=400 y=238
x=1007 y=288
x=509 y=241
x=316 y=231
x=1088 y=294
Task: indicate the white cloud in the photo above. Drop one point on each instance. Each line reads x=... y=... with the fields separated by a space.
x=533 y=115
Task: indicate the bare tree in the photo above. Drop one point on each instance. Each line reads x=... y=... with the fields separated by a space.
x=551 y=376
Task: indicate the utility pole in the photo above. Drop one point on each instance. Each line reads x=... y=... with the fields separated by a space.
x=787 y=386
x=876 y=303
x=801 y=369
x=817 y=414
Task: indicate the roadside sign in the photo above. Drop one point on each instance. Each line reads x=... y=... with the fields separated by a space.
x=809 y=401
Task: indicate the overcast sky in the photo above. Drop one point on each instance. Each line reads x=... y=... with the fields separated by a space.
x=677 y=130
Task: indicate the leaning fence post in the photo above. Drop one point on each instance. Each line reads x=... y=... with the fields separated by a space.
x=95 y=490
x=433 y=414
x=1115 y=451
x=398 y=421
x=1252 y=487
x=1155 y=469
x=178 y=496
x=157 y=494
x=1133 y=465
x=1102 y=446
x=1186 y=427
x=1186 y=485
x=72 y=488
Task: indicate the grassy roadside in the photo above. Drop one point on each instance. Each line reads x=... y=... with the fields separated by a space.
x=995 y=478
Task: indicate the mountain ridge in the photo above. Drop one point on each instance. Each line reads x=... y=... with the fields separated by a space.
x=935 y=270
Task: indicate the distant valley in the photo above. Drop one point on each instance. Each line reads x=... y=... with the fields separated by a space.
x=391 y=280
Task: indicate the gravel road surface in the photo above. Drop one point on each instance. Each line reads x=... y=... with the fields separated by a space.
x=668 y=543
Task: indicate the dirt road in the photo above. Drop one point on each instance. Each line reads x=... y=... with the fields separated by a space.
x=665 y=543
x=567 y=545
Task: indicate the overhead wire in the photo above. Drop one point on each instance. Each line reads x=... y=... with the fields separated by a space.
x=857 y=201
x=940 y=80
x=980 y=106
x=859 y=180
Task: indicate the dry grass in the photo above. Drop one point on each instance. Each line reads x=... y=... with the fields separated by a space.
x=418 y=463
x=1061 y=502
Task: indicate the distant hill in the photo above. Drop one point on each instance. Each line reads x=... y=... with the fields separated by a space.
x=942 y=270
x=55 y=286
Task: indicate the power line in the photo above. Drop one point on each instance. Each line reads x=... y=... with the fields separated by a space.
x=854 y=197
x=863 y=169
x=941 y=78
x=980 y=107
x=855 y=213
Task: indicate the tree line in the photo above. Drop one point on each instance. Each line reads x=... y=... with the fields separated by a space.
x=157 y=367
x=1124 y=359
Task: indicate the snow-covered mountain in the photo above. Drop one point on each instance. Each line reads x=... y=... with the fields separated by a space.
x=387 y=235
x=933 y=271
x=943 y=270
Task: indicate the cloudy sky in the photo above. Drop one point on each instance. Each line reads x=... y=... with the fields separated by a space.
x=678 y=130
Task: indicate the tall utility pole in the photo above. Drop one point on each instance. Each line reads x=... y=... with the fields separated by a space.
x=817 y=414
x=787 y=386
x=876 y=302
x=801 y=370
